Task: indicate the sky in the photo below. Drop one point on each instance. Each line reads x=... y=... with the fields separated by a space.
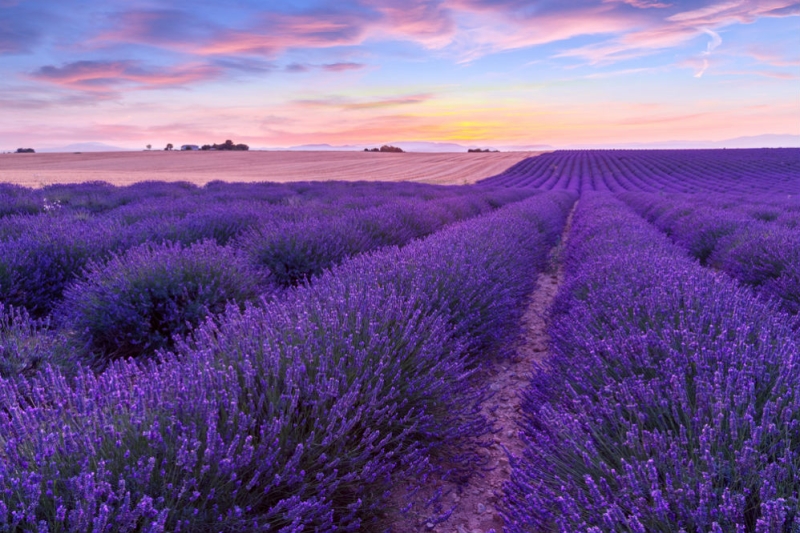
x=474 y=72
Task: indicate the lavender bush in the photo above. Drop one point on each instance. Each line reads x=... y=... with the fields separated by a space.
x=42 y=253
x=293 y=415
x=767 y=259
x=36 y=266
x=28 y=344
x=136 y=302
x=17 y=200
x=735 y=235
x=291 y=252
x=671 y=401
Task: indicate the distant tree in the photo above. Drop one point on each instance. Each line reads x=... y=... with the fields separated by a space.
x=227 y=145
x=149 y=146
x=26 y=151
x=479 y=150
x=384 y=148
x=168 y=147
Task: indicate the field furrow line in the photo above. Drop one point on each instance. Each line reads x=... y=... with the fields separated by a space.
x=473 y=507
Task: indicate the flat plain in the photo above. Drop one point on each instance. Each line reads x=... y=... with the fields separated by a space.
x=125 y=168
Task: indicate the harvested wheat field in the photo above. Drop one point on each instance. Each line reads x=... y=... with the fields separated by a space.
x=124 y=168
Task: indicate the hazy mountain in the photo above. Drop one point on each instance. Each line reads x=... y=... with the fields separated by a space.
x=525 y=148
x=422 y=146
x=417 y=146
x=412 y=146
x=762 y=141
x=85 y=147
x=755 y=141
x=322 y=148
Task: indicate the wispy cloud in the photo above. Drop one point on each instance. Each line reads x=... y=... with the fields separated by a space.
x=428 y=22
x=773 y=58
x=377 y=103
x=715 y=41
x=105 y=76
x=646 y=120
x=677 y=29
x=761 y=73
x=327 y=67
x=641 y=4
x=343 y=66
x=390 y=60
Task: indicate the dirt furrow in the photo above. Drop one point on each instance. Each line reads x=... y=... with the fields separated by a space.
x=475 y=505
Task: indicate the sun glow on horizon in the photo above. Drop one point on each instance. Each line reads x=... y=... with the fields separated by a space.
x=467 y=71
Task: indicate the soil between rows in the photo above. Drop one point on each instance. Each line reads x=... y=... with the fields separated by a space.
x=474 y=505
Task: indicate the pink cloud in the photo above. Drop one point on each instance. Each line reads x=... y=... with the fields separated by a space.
x=428 y=22
x=641 y=121
x=761 y=73
x=281 y=32
x=350 y=104
x=267 y=35
x=772 y=58
x=341 y=67
x=642 y=4
x=677 y=29
x=104 y=76
x=486 y=30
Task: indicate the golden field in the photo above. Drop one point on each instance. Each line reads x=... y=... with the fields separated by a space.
x=124 y=168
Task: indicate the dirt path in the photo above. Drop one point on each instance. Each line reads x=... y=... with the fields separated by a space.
x=475 y=504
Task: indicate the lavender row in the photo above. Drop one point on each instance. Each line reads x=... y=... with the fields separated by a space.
x=100 y=197
x=782 y=210
x=289 y=416
x=185 y=213
x=745 y=171
x=133 y=298
x=42 y=254
x=744 y=240
x=292 y=252
x=671 y=400
x=139 y=301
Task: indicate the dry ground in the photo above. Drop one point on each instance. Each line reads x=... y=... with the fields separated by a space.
x=474 y=506
x=124 y=168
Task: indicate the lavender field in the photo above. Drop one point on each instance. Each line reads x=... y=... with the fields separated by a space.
x=318 y=356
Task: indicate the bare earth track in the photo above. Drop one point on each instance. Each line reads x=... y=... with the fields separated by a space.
x=124 y=168
x=474 y=505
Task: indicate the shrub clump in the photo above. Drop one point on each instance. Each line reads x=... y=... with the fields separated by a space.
x=385 y=148
x=27 y=344
x=138 y=301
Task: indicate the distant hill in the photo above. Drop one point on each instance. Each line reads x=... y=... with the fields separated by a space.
x=762 y=141
x=85 y=147
x=412 y=146
x=526 y=148
x=421 y=146
x=754 y=141
x=323 y=148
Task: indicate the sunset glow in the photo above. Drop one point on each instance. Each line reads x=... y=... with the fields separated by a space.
x=498 y=73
